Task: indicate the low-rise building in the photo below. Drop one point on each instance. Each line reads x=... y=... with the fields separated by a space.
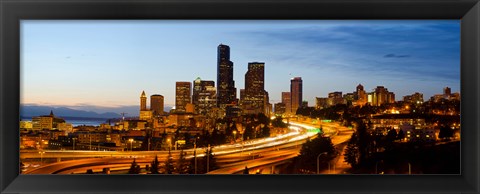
x=27 y=125
x=395 y=120
x=42 y=122
x=411 y=133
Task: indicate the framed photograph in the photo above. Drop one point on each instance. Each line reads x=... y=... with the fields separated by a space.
x=239 y=97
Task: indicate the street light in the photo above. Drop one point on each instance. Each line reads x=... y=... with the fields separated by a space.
x=169 y=144
x=318 y=162
x=208 y=157
x=234 y=136
x=41 y=156
x=131 y=144
x=74 y=143
x=195 y=153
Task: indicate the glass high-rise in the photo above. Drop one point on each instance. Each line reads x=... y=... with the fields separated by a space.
x=226 y=91
x=183 y=91
x=254 y=98
x=296 y=93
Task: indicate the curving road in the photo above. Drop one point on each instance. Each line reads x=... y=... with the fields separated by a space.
x=231 y=158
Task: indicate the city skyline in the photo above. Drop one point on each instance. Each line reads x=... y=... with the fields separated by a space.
x=58 y=63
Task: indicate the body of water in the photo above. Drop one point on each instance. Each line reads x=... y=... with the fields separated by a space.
x=79 y=121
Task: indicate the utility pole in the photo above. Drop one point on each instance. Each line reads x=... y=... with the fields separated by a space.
x=195 y=154
x=90 y=137
x=208 y=158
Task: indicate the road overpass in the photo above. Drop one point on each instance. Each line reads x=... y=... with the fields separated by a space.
x=231 y=158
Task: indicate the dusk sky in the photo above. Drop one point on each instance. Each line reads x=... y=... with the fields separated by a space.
x=109 y=63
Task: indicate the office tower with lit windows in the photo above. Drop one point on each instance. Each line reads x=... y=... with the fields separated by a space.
x=203 y=95
x=360 y=96
x=380 y=96
x=226 y=91
x=335 y=98
x=279 y=108
x=296 y=92
x=416 y=98
x=157 y=104
x=321 y=103
x=182 y=95
x=286 y=99
x=254 y=98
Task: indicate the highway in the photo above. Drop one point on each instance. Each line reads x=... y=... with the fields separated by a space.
x=231 y=158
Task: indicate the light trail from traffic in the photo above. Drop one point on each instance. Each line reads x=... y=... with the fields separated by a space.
x=228 y=156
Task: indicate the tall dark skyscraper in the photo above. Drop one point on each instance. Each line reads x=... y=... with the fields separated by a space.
x=296 y=90
x=226 y=91
x=157 y=104
x=254 y=98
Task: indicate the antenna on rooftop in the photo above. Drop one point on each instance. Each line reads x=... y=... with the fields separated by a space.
x=123 y=115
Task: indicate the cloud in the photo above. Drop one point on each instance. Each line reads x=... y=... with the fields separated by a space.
x=363 y=50
x=391 y=55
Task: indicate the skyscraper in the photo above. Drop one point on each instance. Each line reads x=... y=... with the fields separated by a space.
x=182 y=95
x=287 y=100
x=226 y=91
x=254 y=97
x=157 y=104
x=143 y=101
x=203 y=95
x=296 y=93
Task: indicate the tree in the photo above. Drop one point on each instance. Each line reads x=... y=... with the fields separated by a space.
x=202 y=163
x=265 y=131
x=245 y=171
x=249 y=132
x=391 y=135
x=363 y=141
x=312 y=149
x=278 y=122
x=352 y=153
x=400 y=135
x=134 y=168
x=182 y=164
x=445 y=132
x=169 y=168
x=262 y=119
x=155 y=164
x=209 y=160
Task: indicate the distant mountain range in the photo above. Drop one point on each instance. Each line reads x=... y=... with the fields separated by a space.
x=31 y=111
x=80 y=111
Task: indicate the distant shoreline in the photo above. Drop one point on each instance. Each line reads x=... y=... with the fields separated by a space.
x=73 y=118
x=79 y=121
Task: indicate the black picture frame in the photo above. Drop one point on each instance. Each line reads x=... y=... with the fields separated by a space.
x=12 y=11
